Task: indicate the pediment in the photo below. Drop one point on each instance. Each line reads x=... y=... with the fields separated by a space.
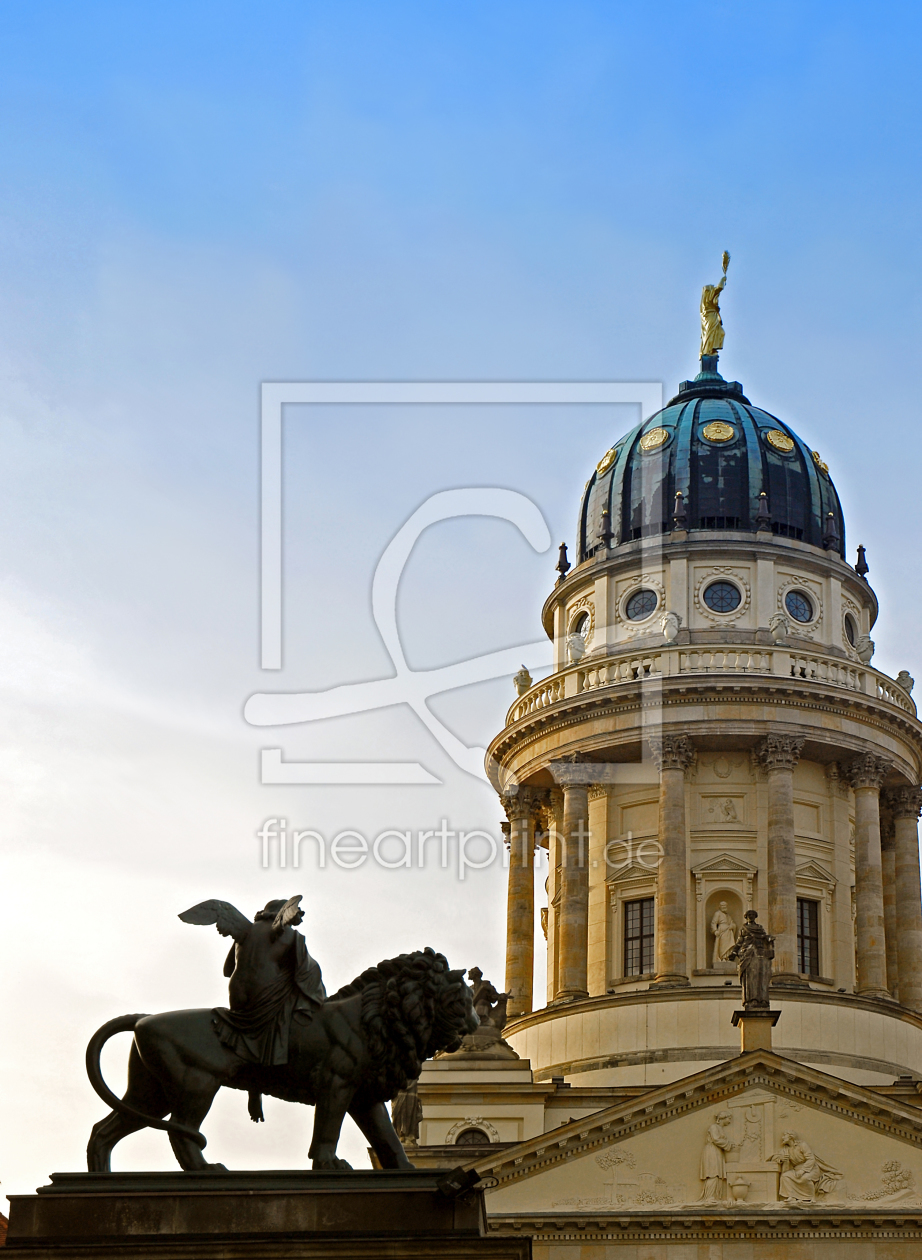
x=725 y=863
x=851 y=1147
x=633 y=872
x=813 y=871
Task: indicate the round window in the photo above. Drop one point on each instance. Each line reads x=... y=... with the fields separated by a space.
x=472 y=1137
x=850 y=632
x=581 y=625
x=723 y=597
x=799 y=606
x=641 y=605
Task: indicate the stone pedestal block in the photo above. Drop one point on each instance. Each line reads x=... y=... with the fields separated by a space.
x=755 y=1028
x=311 y=1216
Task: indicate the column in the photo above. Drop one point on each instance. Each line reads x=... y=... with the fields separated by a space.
x=905 y=805
x=598 y=973
x=778 y=755
x=520 y=905
x=888 y=884
x=673 y=755
x=573 y=934
x=866 y=774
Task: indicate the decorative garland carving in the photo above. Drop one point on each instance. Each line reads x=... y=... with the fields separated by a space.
x=806 y=629
x=471 y=1122
x=739 y=578
x=585 y=604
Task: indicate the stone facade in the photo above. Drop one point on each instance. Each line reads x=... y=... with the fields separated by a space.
x=712 y=740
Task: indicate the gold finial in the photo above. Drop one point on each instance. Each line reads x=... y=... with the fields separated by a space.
x=712 y=329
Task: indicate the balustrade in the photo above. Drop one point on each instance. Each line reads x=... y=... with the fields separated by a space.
x=632 y=666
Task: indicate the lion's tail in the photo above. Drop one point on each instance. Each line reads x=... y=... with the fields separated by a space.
x=127 y=1023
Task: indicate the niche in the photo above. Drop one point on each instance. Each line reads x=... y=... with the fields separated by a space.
x=732 y=909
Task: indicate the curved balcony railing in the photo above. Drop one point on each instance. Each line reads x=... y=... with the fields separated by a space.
x=669 y=662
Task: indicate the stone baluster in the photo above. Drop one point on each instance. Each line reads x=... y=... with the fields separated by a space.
x=573 y=776
x=888 y=884
x=866 y=774
x=520 y=808
x=673 y=754
x=905 y=805
x=778 y=755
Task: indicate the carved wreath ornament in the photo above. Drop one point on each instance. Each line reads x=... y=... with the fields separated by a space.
x=737 y=576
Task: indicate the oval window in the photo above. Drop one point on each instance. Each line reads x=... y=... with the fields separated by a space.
x=641 y=605
x=851 y=632
x=799 y=606
x=581 y=625
x=723 y=597
x=472 y=1137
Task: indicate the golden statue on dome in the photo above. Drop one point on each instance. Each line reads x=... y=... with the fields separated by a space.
x=712 y=329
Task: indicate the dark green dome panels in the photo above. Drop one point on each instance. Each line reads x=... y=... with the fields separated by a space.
x=721 y=453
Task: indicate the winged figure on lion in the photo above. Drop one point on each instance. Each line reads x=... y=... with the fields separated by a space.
x=346 y=1054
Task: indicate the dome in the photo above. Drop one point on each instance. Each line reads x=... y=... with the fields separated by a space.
x=721 y=453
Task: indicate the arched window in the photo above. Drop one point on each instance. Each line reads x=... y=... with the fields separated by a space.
x=472 y=1137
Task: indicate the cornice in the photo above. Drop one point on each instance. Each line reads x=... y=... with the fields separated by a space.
x=700 y=1225
x=622 y=698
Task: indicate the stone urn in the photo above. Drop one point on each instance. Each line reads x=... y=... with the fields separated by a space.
x=739 y=1189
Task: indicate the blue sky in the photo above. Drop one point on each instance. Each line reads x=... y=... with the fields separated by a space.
x=196 y=198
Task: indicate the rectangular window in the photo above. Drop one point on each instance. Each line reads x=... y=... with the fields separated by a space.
x=638 y=936
x=808 y=937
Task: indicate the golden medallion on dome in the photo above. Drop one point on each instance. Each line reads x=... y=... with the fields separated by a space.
x=606 y=461
x=780 y=441
x=821 y=464
x=718 y=431
x=654 y=438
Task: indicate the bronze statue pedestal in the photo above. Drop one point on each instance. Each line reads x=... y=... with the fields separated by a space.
x=755 y=1028
x=399 y=1215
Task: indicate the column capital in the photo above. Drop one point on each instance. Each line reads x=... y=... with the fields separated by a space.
x=574 y=770
x=867 y=771
x=523 y=804
x=597 y=791
x=903 y=802
x=672 y=752
x=779 y=752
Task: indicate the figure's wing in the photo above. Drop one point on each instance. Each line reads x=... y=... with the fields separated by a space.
x=227 y=918
x=288 y=912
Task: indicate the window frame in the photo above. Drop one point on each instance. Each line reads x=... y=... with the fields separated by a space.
x=645 y=936
x=807 y=940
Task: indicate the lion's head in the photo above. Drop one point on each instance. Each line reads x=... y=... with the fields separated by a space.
x=413 y=1006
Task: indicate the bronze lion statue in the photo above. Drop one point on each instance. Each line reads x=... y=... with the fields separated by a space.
x=364 y=1044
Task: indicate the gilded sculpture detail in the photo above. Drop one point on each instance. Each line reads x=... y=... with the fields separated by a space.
x=712 y=329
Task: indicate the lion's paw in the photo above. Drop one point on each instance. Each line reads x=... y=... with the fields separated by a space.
x=331 y=1165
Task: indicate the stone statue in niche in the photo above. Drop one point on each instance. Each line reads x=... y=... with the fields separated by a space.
x=753 y=954
x=713 y=1168
x=804 y=1176
x=723 y=929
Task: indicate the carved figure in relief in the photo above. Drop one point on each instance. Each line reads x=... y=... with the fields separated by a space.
x=713 y=1168
x=723 y=929
x=804 y=1175
x=753 y=954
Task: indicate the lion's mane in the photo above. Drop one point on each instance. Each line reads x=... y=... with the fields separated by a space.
x=412 y=1007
